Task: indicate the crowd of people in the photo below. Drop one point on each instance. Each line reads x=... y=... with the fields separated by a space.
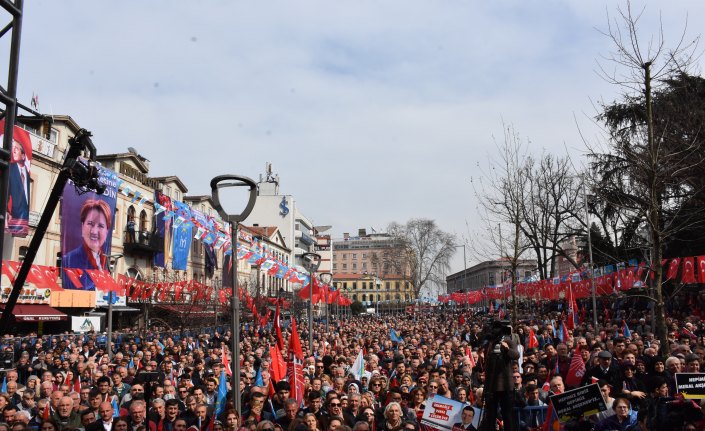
x=170 y=383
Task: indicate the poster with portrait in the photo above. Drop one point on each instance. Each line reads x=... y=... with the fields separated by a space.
x=18 y=197
x=87 y=222
x=163 y=232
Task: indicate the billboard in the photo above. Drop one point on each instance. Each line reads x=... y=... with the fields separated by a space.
x=19 y=193
x=87 y=221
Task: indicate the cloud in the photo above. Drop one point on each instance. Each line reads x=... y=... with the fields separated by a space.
x=370 y=111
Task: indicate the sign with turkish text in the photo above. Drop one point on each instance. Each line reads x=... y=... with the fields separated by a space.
x=442 y=413
x=584 y=401
x=691 y=385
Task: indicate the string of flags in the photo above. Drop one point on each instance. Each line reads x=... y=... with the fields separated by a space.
x=215 y=232
x=608 y=280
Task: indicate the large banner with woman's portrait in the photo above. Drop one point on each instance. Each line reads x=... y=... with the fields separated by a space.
x=87 y=221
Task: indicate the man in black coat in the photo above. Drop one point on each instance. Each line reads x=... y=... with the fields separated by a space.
x=606 y=370
x=105 y=420
x=499 y=390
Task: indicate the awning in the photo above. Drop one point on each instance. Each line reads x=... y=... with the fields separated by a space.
x=36 y=313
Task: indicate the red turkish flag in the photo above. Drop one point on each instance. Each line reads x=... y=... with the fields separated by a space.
x=278 y=365
x=688 y=274
x=533 y=340
x=74 y=274
x=576 y=371
x=34 y=276
x=701 y=268
x=103 y=280
x=51 y=274
x=673 y=269
x=6 y=271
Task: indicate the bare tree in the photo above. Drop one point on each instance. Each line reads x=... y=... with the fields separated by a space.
x=642 y=175
x=502 y=209
x=420 y=252
x=551 y=211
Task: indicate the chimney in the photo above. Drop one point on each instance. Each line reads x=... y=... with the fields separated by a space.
x=346 y=235
x=362 y=232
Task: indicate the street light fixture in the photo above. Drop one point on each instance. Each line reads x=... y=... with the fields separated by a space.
x=113 y=259
x=311 y=262
x=327 y=279
x=217 y=183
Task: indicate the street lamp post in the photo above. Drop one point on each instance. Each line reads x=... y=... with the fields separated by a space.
x=113 y=267
x=311 y=262
x=327 y=279
x=217 y=183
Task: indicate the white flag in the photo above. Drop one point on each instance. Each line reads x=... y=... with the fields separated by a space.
x=358 y=367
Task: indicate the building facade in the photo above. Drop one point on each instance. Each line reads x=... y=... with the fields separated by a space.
x=365 y=272
x=488 y=273
x=134 y=244
x=275 y=209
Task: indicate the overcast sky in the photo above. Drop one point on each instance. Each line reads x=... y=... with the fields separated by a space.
x=370 y=111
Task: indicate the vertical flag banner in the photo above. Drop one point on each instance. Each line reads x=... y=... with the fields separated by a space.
x=228 y=270
x=163 y=215
x=87 y=221
x=181 y=243
x=294 y=368
x=18 y=197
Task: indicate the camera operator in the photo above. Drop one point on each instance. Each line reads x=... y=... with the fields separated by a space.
x=499 y=387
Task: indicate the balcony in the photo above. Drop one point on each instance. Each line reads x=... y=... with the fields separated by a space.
x=142 y=243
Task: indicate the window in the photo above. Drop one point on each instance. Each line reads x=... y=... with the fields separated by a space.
x=345 y=256
x=364 y=265
x=364 y=256
x=354 y=256
x=22 y=253
x=335 y=266
x=364 y=297
x=53 y=136
x=354 y=285
x=354 y=297
x=364 y=285
x=387 y=297
x=345 y=266
x=397 y=285
x=354 y=267
x=345 y=285
x=388 y=285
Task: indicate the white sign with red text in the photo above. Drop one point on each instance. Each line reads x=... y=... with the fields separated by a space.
x=441 y=412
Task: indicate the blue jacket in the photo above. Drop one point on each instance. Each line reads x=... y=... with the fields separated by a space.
x=77 y=258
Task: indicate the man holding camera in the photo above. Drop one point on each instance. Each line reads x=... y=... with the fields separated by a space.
x=499 y=390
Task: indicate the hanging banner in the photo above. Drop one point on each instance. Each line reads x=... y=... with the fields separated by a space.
x=87 y=221
x=18 y=198
x=163 y=212
x=181 y=243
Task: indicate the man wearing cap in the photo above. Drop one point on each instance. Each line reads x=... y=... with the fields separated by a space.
x=605 y=370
